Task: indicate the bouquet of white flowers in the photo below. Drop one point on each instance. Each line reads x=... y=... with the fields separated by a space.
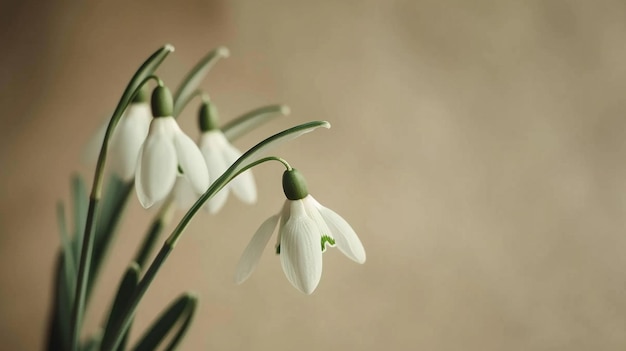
x=149 y=153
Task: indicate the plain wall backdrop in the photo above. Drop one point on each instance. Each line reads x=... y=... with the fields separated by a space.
x=477 y=148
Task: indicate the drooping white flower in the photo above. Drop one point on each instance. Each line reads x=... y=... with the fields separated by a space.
x=127 y=137
x=220 y=154
x=306 y=228
x=130 y=133
x=165 y=149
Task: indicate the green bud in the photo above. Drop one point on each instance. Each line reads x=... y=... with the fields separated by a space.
x=207 y=116
x=294 y=185
x=162 y=102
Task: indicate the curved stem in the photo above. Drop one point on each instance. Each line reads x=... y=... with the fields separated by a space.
x=235 y=169
x=142 y=75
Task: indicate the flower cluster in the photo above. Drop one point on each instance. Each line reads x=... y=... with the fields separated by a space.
x=163 y=158
x=150 y=153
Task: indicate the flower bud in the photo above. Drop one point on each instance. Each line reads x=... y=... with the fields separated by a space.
x=294 y=185
x=162 y=102
x=207 y=117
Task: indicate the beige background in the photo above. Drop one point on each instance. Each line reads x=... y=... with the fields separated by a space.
x=477 y=148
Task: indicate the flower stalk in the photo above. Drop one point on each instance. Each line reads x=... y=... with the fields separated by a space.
x=249 y=159
x=143 y=75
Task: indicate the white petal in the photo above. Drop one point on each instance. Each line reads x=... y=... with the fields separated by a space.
x=129 y=135
x=345 y=237
x=184 y=195
x=141 y=195
x=92 y=149
x=311 y=207
x=210 y=149
x=252 y=254
x=243 y=185
x=300 y=252
x=157 y=170
x=191 y=161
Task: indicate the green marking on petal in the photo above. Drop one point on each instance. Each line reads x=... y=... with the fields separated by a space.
x=278 y=249
x=327 y=239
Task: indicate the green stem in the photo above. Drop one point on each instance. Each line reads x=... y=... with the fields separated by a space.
x=235 y=169
x=161 y=220
x=83 y=273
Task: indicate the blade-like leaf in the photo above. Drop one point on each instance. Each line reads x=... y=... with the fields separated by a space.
x=161 y=220
x=69 y=256
x=252 y=119
x=93 y=344
x=116 y=195
x=193 y=79
x=179 y=312
x=80 y=202
x=124 y=292
x=59 y=320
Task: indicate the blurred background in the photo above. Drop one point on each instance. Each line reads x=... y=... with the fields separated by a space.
x=477 y=148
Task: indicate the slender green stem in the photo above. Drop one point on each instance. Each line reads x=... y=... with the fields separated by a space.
x=235 y=169
x=162 y=219
x=142 y=75
x=123 y=324
x=83 y=273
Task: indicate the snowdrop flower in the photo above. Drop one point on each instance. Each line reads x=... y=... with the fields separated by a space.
x=165 y=149
x=306 y=228
x=220 y=154
x=127 y=137
x=130 y=133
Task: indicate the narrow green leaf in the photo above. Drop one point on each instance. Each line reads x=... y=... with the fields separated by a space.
x=116 y=195
x=80 y=203
x=181 y=312
x=190 y=83
x=59 y=320
x=161 y=220
x=252 y=119
x=93 y=344
x=69 y=256
x=120 y=304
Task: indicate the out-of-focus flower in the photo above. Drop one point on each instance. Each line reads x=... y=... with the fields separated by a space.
x=220 y=154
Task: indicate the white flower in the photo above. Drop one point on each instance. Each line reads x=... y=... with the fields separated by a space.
x=220 y=154
x=129 y=134
x=166 y=148
x=306 y=227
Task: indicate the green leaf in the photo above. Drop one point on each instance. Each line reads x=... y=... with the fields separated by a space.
x=252 y=119
x=116 y=195
x=80 y=203
x=190 y=83
x=161 y=220
x=120 y=304
x=93 y=344
x=69 y=256
x=59 y=322
x=181 y=312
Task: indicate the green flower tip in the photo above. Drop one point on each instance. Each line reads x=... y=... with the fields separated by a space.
x=223 y=51
x=207 y=116
x=141 y=96
x=162 y=102
x=294 y=185
x=169 y=47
